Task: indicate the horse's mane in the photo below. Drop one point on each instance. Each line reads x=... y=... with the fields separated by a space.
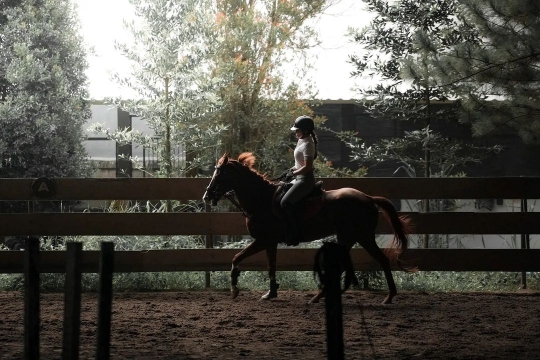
x=244 y=163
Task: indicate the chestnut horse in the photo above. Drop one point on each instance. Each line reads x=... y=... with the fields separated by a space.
x=347 y=213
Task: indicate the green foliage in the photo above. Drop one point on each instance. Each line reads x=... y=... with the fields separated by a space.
x=215 y=96
x=431 y=281
x=497 y=78
x=257 y=41
x=406 y=89
x=390 y=38
x=42 y=90
x=446 y=155
x=257 y=280
x=171 y=73
x=325 y=168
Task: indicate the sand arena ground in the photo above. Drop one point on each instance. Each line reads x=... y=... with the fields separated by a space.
x=209 y=325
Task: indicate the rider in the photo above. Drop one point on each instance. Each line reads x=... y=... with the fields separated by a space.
x=304 y=155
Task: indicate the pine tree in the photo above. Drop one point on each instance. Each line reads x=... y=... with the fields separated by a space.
x=497 y=79
x=43 y=90
x=406 y=89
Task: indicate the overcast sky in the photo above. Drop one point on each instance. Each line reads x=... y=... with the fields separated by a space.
x=102 y=24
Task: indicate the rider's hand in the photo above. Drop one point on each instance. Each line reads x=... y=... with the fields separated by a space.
x=288 y=175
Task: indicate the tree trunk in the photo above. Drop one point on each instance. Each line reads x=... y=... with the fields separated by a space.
x=167 y=155
x=427 y=160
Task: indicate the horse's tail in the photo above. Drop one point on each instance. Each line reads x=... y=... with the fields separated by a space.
x=402 y=228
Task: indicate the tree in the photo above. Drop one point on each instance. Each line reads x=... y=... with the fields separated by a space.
x=170 y=62
x=389 y=39
x=258 y=40
x=406 y=88
x=235 y=78
x=42 y=90
x=497 y=78
x=447 y=156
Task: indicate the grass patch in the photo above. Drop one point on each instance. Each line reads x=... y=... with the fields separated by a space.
x=428 y=281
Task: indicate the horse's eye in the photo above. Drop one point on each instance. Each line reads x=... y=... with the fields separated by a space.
x=220 y=171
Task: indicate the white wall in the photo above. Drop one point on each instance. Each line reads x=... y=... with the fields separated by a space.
x=461 y=241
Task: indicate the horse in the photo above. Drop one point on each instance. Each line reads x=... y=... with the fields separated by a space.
x=331 y=253
x=347 y=213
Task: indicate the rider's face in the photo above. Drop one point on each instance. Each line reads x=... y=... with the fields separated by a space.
x=299 y=134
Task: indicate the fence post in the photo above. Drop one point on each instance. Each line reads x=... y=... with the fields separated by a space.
x=525 y=244
x=105 y=300
x=31 y=298
x=209 y=245
x=332 y=287
x=72 y=301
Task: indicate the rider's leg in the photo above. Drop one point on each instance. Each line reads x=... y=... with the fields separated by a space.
x=293 y=228
x=300 y=188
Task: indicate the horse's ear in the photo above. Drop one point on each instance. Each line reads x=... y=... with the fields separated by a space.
x=224 y=159
x=247 y=159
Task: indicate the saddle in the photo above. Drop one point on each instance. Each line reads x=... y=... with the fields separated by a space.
x=306 y=208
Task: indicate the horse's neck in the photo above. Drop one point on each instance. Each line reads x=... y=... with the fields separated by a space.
x=253 y=196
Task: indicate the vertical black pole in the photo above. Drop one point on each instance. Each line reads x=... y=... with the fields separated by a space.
x=124 y=166
x=144 y=161
x=31 y=298
x=72 y=301
x=105 y=300
x=332 y=286
x=209 y=244
x=524 y=238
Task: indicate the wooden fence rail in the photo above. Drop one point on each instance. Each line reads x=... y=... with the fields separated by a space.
x=193 y=188
x=234 y=223
x=215 y=223
x=287 y=260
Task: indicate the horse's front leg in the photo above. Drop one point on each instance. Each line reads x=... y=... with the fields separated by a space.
x=251 y=249
x=271 y=255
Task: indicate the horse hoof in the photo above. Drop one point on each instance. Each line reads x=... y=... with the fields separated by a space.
x=234 y=292
x=387 y=301
x=269 y=295
x=314 y=300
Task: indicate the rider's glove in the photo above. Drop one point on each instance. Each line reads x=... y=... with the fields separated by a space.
x=288 y=175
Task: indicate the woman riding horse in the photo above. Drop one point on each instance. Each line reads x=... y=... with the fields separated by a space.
x=347 y=213
x=304 y=155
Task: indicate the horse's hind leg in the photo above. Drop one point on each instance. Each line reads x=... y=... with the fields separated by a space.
x=370 y=245
x=251 y=249
x=343 y=241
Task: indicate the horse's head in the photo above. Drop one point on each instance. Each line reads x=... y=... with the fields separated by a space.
x=223 y=178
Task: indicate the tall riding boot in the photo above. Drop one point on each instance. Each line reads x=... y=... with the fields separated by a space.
x=293 y=228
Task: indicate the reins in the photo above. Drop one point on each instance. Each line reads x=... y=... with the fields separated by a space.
x=230 y=195
x=280 y=177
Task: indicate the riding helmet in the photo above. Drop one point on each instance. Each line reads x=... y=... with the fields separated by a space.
x=304 y=123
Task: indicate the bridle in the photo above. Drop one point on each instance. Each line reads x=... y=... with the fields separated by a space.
x=229 y=195
x=217 y=195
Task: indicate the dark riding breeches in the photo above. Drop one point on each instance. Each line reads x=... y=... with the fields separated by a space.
x=302 y=186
